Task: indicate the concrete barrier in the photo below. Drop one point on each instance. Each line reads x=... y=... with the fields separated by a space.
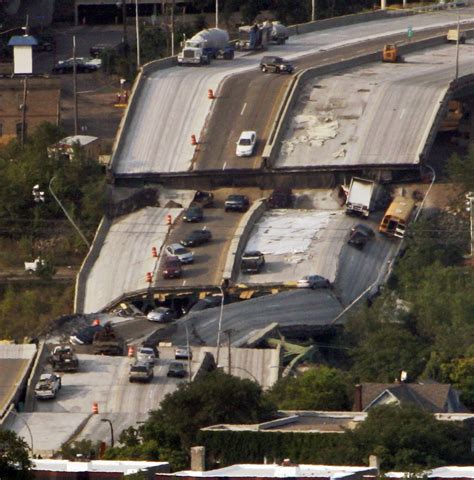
x=35 y=373
x=240 y=237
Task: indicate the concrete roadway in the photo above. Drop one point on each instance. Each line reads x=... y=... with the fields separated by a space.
x=250 y=101
x=173 y=103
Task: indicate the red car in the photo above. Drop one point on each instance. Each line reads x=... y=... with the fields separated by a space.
x=172 y=268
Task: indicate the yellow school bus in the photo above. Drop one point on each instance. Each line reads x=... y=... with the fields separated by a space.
x=397 y=216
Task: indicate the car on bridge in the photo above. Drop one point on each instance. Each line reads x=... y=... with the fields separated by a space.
x=236 y=203
x=313 y=281
x=171 y=268
x=161 y=314
x=83 y=65
x=203 y=199
x=147 y=354
x=183 y=254
x=246 y=144
x=183 y=353
x=360 y=235
x=193 y=214
x=276 y=65
x=141 y=372
x=252 y=262
x=176 y=369
x=196 y=238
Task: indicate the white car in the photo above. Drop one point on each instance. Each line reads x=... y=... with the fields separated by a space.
x=146 y=354
x=47 y=386
x=183 y=353
x=161 y=314
x=176 y=250
x=246 y=144
x=313 y=281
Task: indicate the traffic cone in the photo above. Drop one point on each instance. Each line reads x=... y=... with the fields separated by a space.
x=193 y=140
x=95 y=408
x=131 y=351
x=154 y=253
x=169 y=219
x=149 y=277
x=210 y=94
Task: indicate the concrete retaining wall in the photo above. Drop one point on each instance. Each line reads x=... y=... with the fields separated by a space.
x=88 y=263
x=241 y=236
x=35 y=373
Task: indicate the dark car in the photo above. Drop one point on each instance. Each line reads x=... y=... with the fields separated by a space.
x=252 y=262
x=45 y=43
x=172 y=268
x=236 y=203
x=82 y=66
x=203 y=199
x=193 y=214
x=281 y=198
x=177 y=369
x=276 y=65
x=196 y=238
x=360 y=235
x=208 y=302
x=85 y=335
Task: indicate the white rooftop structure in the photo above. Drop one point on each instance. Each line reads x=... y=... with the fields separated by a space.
x=441 y=472
x=280 y=471
x=82 y=140
x=116 y=466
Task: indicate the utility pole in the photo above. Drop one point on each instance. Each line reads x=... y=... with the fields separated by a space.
x=137 y=27
x=74 y=84
x=172 y=28
x=228 y=332
x=456 y=75
x=124 y=19
x=217 y=13
x=23 y=112
x=313 y=10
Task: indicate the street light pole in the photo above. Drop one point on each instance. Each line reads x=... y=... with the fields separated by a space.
x=470 y=199
x=27 y=427
x=67 y=214
x=137 y=27
x=219 y=327
x=217 y=13
x=313 y=10
x=189 y=352
x=111 y=430
x=456 y=75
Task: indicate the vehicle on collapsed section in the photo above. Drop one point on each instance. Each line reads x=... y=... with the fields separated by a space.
x=236 y=203
x=106 y=342
x=141 y=372
x=360 y=235
x=252 y=262
x=48 y=386
x=203 y=199
x=63 y=359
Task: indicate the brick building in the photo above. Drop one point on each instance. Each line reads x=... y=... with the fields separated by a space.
x=22 y=110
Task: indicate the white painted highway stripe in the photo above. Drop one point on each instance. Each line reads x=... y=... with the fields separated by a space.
x=243 y=109
x=403 y=113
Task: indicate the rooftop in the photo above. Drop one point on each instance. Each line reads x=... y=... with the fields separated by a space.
x=97 y=466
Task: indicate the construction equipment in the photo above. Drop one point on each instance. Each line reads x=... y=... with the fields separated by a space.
x=453 y=117
x=390 y=54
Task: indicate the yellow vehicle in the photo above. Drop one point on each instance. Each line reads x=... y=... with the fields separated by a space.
x=397 y=216
x=390 y=53
x=453 y=116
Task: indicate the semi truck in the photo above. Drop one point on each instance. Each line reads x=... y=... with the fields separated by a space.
x=206 y=45
x=361 y=197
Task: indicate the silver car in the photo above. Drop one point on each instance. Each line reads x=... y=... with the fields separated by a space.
x=184 y=255
x=146 y=354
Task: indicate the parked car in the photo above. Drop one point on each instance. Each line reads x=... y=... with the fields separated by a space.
x=196 y=238
x=176 y=369
x=183 y=353
x=183 y=254
x=252 y=262
x=360 y=235
x=204 y=199
x=161 y=314
x=146 y=354
x=172 y=268
x=85 y=335
x=83 y=65
x=313 y=281
x=281 y=198
x=193 y=214
x=276 y=65
x=236 y=203
x=46 y=43
x=141 y=372
x=48 y=386
x=246 y=144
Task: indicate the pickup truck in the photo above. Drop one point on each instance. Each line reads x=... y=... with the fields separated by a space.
x=63 y=359
x=252 y=262
x=48 y=386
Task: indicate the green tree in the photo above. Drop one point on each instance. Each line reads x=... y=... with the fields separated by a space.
x=14 y=460
x=461 y=169
x=320 y=388
x=460 y=373
x=407 y=438
x=171 y=430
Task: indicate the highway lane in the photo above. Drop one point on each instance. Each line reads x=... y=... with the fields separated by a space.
x=12 y=371
x=173 y=104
